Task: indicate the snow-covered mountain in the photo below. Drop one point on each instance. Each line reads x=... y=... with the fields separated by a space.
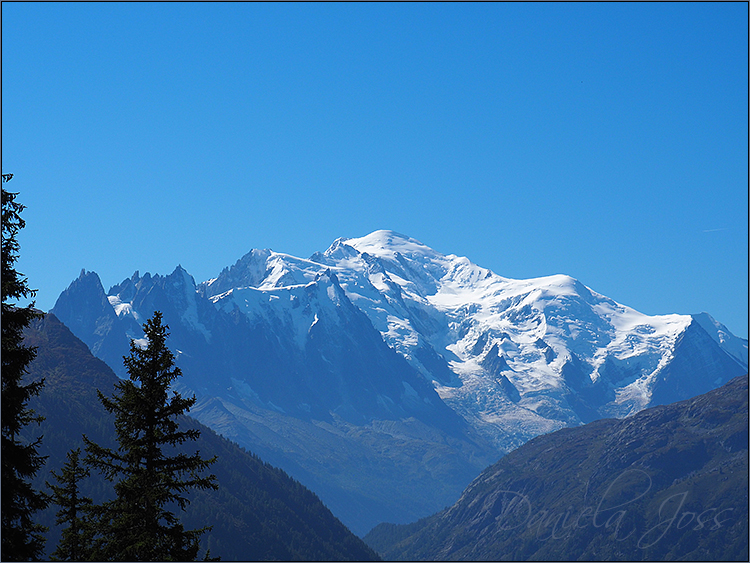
x=514 y=357
x=385 y=375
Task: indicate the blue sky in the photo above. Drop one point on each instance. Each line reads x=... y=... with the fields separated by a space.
x=604 y=141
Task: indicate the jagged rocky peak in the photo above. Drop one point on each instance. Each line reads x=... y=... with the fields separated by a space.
x=126 y=289
x=88 y=280
x=83 y=297
x=248 y=271
x=735 y=346
x=339 y=249
x=181 y=279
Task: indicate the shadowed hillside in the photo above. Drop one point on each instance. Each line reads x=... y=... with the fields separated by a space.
x=669 y=483
x=258 y=513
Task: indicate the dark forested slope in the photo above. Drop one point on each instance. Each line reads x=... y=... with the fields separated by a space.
x=258 y=513
x=669 y=483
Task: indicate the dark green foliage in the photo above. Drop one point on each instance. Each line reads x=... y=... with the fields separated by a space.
x=258 y=512
x=21 y=538
x=74 y=512
x=139 y=525
x=669 y=483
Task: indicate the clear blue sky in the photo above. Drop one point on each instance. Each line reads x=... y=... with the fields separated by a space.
x=604 y=141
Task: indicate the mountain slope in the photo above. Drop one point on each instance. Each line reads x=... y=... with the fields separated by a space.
x=571 y=354
x=418 y=369
x=299 y=375
x=670 y=482
x=258 y=511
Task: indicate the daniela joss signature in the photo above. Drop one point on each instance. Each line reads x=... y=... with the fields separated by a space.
x=609 y=514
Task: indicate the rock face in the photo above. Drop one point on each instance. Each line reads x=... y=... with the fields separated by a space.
x=669 y=483
x=385 y=375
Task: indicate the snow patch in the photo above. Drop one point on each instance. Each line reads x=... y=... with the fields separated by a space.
x=123 y=309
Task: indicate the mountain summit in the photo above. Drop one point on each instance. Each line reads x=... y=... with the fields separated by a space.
x=385 y=375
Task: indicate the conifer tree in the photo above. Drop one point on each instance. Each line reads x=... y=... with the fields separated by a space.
x=74 y=510
x=22 y=540
x=138 y=524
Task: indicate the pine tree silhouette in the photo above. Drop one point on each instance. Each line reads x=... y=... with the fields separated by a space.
x=151 y=475
x=22 y=540
x=74 y=510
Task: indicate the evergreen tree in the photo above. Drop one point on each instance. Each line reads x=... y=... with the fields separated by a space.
x=138 y=524
x=74 y=510
x=21 y=539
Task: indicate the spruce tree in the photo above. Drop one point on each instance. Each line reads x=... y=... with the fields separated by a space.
x=151 y=476
x=74 y=510
x=22 y=540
